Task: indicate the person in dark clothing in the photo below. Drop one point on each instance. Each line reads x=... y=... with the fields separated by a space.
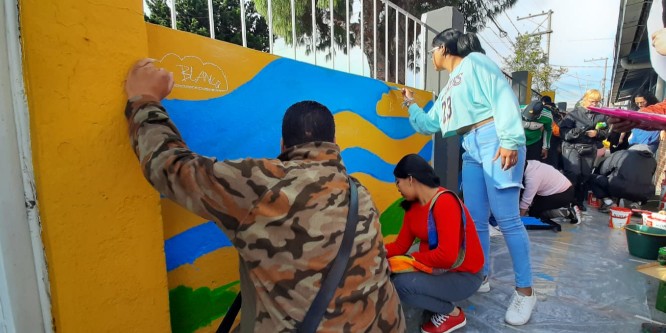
x=582 y=132
x=554 y=157
x=618 y=141
x=626 y=174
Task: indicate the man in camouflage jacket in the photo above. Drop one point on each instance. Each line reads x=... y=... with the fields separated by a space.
x=285 y=216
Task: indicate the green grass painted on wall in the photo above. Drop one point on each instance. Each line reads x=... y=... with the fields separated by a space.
x=193 y=309
x=391 y=219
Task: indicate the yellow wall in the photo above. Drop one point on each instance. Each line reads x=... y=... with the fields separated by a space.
x=101 y=222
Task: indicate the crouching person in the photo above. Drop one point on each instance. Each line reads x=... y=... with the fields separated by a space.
x=547 y=190
x=626 y=174
x=447 y=267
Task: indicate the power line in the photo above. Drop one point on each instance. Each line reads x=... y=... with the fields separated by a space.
x=581 y=40
x=512 y=45
x=502 y=32
x=567 y=91
x=511 y=21
x=491 y=46
x=579 y=78
x=547 y=32
x=578 y=66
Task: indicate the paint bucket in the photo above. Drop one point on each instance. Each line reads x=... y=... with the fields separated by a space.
x=656 y=221
x=619 y=217
x=646 y=219
x=592 y=201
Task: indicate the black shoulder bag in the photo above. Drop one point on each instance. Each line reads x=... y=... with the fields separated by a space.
x=330 y=283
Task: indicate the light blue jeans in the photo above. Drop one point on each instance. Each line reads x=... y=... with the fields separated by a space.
x=487 y=188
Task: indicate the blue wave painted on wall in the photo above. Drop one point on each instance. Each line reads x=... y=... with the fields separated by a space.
x=193 y=243
x=254 y=111
x=361 y=160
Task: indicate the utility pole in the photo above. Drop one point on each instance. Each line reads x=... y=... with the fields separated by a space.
x=603 y=81
x=548 y=31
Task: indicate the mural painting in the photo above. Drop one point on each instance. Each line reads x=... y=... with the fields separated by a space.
x=228 y=103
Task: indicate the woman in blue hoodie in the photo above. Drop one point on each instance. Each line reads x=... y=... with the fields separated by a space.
x=478 y=103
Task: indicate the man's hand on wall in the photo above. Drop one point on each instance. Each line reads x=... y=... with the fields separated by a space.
x=146 y=79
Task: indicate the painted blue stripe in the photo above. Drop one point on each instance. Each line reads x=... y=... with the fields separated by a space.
x=254 y=110
x=191 y=244
x=544 y=276
x=361 y=160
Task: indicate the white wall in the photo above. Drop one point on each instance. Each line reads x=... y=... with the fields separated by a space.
x=20 y=307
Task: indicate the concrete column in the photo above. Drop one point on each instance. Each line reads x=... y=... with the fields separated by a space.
x=660 y=89
x=522 y=86
x=446 y=152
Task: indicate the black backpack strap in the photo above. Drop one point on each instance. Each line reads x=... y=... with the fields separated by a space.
x=331 y=281
x=230 y=317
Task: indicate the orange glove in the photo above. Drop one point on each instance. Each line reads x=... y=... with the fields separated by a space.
x=407 y=264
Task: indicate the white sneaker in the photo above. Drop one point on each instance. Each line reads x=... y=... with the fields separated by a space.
x=485 y=286
x=520 y=309
x=494 y=231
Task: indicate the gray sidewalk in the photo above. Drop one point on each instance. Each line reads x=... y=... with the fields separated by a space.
x=585 y=281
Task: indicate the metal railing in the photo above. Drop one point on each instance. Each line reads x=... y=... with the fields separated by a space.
x=403 y=51
x=403 y=35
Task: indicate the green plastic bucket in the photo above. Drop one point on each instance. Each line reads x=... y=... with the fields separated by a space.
x=643 y=241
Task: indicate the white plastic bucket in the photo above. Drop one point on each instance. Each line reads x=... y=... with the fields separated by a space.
x=619 y=217
x=656 y=220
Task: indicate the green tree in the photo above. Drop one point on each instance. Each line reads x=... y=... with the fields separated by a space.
x=529 y=56
x=193 y=17
x=475 y=12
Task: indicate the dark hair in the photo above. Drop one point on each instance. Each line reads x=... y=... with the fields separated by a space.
x=307 y=121
x=649 y=98
x=546 y=100
x=418 y=168
x=458 y=43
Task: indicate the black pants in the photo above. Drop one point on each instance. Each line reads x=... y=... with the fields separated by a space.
x=534 y=151
x=542 y=204
x=601 y=189
x=599 y=186
x=578 y=161
x=555 y=153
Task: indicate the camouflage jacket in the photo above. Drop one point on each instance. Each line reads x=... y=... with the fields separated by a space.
x=285 y=217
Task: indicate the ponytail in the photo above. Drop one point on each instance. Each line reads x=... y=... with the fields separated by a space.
x=458 y=43
x=468 y=43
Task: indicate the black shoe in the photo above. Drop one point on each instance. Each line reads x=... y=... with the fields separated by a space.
x=582 y=207
x=575 y=215
x=604 y=208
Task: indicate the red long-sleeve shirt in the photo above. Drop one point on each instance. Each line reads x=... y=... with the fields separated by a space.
x=659 y=108
x=447 y=219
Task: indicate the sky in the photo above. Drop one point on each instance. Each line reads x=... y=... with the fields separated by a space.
x=582 y=30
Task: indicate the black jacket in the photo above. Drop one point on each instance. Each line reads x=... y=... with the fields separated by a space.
x=577 y=122
x=630 y=173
